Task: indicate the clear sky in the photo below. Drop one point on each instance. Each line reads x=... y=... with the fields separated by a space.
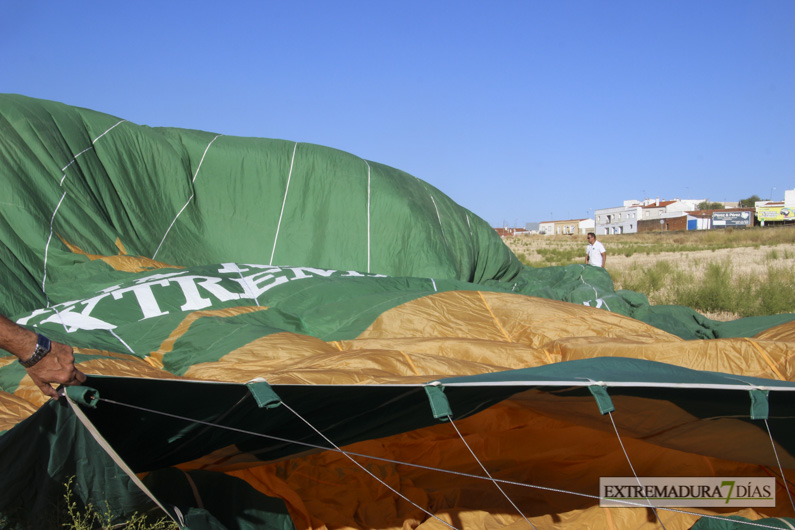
x=521 y=111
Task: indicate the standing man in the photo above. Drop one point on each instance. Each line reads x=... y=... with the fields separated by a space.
x=47 y=362
x=595 y=254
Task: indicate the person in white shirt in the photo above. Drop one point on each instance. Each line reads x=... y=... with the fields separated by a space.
x=595 y=254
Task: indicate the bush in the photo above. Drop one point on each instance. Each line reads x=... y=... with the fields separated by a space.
x=88 y=518
x=713 y=294
x=776 y=293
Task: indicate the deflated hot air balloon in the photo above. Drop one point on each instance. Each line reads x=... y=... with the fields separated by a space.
x=283 y=335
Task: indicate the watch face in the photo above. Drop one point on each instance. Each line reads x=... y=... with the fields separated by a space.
x=43 y=344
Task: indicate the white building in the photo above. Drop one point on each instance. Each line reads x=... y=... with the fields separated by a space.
x=619 y=219
x=684 y=205
x=546 y=228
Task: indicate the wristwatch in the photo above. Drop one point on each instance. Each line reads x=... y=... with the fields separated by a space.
x=43 y=347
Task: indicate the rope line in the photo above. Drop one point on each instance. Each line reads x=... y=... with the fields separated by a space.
x=193 y=194
x=52 y=218
x=284 y=202
x=47 y=250
x=439 y=217
x=122 y=341
x=368 y=215
x=487 y=473
x=420 y=466
x=780 y=468
x=390 y=488
x=626 y=455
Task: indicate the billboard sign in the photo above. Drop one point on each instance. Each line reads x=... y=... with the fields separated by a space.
x=777 y=213
x=726 y=219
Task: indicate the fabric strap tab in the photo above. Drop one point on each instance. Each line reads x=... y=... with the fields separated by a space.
x=264 y=394
x=439 y=404
x=602 y=399
x=84 y=395
x=759 y=405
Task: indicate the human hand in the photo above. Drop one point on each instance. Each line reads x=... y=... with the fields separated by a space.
x=57 y=367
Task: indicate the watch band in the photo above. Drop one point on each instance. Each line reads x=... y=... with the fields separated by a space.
x=43 y=346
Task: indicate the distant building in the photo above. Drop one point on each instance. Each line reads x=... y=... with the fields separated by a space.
x=646 y=216
x=618 y=220
x=586 y=225
x=657 y=210
x=777 y=212
x=547 y=228
x=510 y=232
x=569 y=227
x=699 y=220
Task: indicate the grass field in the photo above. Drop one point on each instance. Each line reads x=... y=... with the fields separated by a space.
x=724 y=274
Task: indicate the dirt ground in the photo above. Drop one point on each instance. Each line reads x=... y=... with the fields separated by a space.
x=745 y=261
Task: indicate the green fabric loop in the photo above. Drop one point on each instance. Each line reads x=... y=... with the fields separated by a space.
x=83 y=395
x=760 y=407
x=439 y=404
x=602 y=399
x=264 y=395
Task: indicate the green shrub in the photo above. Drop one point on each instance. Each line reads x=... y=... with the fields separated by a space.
x=775 y=294
x=88 y=518
x=714 y=293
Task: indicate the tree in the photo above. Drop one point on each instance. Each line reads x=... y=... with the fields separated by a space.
x=750 y=202
x=706 y=205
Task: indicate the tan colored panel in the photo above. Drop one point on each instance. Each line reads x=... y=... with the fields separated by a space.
x=783 y=332
x=13 y=409
x=488 y=356
x=506 y=317
x=736 y=356
x=122 y=262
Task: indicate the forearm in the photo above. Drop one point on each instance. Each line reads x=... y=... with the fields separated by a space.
x=16 y=339
x=55 y=365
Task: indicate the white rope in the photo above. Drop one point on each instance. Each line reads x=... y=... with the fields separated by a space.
x=439 y=217
x=419 y=466
x=47 y=250
x=487 y=472
x=368 y=216
x=122 y=341
x=650 y=505
x=396 y=492
x=780 y=469
x=284 y=202
x=52 y=218
x=193 y=193
x=106 y=132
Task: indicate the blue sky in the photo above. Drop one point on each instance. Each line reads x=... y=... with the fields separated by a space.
x=520 y=111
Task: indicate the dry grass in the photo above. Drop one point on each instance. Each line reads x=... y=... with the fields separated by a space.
x=664 y=266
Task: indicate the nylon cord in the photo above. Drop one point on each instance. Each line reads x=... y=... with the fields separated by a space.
x=365 y=469
x=650 y=505
x=487 y=472
x=427 y=468
x=780 y=469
